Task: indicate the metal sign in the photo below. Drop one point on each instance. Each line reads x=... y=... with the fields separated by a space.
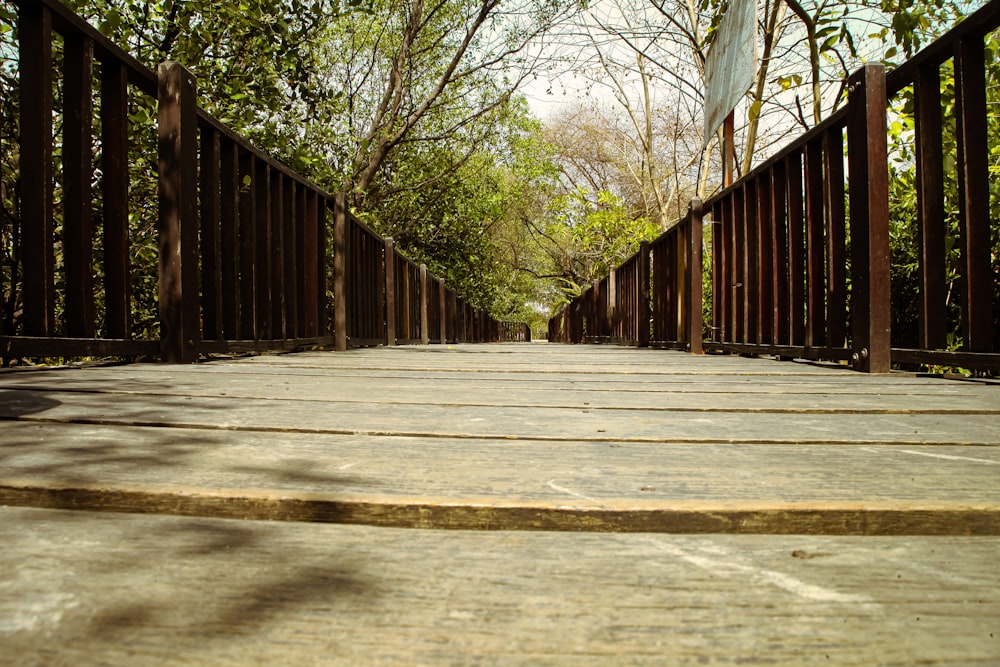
x=731 y=63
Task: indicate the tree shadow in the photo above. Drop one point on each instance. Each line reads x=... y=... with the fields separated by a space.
x=16 y=404
x=110 y=574
x=168 y=583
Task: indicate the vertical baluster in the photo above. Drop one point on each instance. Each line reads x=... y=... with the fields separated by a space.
x=425 y=331
x=815 y=255
x=642 y=277
x=323 y=258
x=37 y=260
x=974 y=195
x=308 y=263
x=211 y=233
x=339 y=271
x=389 y=254
x=276 y=235
x=779 y=254
x=751 y=284
x=248 y=246
x=443 y=313
x=740 y=267
x=78 y=225
x=177 y=123
x=229 y=239
x=869 y=193
x=263 y=269
x=694 y=318
x=720 y=274
x=114 y=195
x=836 y=238
x=796 y=251
x=765 y=262
x=295 y=203
x=933 y=321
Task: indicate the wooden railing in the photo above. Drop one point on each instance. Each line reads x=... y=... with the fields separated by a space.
x=244 y=256
x=783 y=280
x=645 y=301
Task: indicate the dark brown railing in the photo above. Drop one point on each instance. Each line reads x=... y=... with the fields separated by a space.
x=783 y=280
x=645 y=301
x=244 y=258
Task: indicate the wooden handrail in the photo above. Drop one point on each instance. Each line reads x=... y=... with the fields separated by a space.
x=782 y=281
x=244 y=256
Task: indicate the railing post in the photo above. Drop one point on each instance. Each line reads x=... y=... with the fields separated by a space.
x=177 y=122
x=869 y=195
x=974 y=195
x=339 y=272
x=114 y=195
x=35 y=25
x=694 y=318
x=390 y=293
x=78 y=225
x=443 y=322
x=643 y=277
x=425 y=330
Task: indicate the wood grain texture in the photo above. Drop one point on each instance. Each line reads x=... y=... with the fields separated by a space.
x=576 y=505
x=87 y=589
x=511 y=437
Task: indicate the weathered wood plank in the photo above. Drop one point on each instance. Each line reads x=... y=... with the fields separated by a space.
x=511 y=437
x=511 y=422
x=504 y=484
x=219 y=592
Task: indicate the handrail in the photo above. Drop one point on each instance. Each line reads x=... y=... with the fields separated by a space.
x=244 y=255
x=800 y=246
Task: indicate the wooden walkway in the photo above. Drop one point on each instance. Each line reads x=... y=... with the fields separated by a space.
x=578 y=505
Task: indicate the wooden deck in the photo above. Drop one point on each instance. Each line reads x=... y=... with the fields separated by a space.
x=578 y=505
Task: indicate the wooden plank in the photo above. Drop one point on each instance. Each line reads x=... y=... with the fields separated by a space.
x=511 y=437
x=829 y=426
x=231 y=593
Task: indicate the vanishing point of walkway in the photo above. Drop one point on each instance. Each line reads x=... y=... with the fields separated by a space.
x=575 y=504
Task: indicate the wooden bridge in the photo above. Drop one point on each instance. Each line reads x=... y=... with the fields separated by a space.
x=578 y=504
x=413 y=497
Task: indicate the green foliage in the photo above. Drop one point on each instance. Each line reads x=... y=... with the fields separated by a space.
x=903 y=206
x=586 y=235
